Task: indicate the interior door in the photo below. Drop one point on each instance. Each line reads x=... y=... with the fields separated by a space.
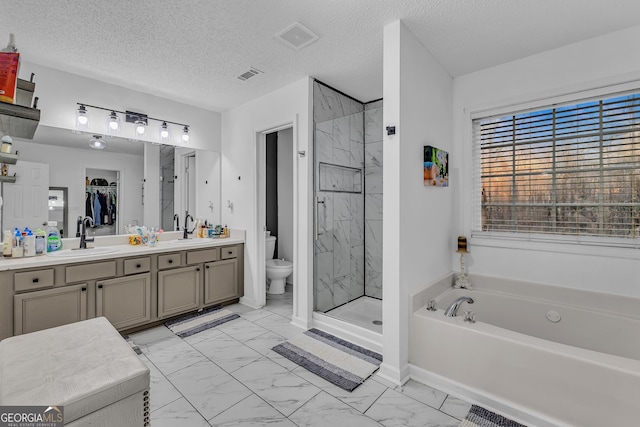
x=26 y=201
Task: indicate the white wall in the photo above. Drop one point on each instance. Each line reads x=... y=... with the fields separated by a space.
x=418 y=226
x=151 y=185
x=587 y=65
x=290 y=104
x=285 y=194
x=59 y=92
x=67 y=169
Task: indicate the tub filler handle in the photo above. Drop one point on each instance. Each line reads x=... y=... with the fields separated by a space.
x=452 y=311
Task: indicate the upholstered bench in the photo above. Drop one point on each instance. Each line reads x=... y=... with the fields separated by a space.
x=87 y=367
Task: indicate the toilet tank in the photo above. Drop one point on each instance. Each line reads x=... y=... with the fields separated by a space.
x=270 y=244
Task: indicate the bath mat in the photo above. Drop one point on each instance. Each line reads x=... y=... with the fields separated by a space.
x=480 y=417
x=338 y=361
x=191 y=324
x=133 y=345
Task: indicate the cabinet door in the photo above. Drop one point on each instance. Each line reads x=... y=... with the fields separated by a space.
x=178 y=290
x=220 y=281
x=125 y=301
x=39 y=310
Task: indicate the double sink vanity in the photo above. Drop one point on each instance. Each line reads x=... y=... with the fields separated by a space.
x=132 y=286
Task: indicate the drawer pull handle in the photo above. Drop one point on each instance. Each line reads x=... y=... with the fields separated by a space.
x=230 y=252
x=138 y=265
x=170 y=261
x=35 y=280
x=198 y=269
x=99 y=286
x=206 y=266
x=84 y=289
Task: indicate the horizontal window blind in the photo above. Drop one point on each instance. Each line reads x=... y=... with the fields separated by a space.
x=569 y=170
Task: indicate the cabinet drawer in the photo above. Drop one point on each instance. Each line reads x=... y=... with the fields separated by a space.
x=97 y=270
x=31 y=280
x=137 y=265
x=229 y=252
x=206 y=255
x=169 y=261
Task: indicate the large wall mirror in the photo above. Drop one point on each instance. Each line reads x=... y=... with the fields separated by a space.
x=127 y=182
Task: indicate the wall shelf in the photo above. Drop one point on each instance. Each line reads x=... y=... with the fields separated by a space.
x=20 y=120
x=8 y=178
x=9 y=159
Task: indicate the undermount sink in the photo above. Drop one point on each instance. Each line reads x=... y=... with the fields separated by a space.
x=75 y=252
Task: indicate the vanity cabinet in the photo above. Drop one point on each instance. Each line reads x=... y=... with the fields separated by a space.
x=125 y=301
x=129 y=291
x=178 y=291
x=34 y=311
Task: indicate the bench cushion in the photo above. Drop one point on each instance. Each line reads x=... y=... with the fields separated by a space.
x=84 y=366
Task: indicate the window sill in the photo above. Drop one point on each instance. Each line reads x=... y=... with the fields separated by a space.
x=612 y=248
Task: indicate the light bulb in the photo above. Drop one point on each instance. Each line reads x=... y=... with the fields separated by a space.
x=164 y=132
x=82 y=119
x=185 y=134
x=140 y=128
x=114 y=125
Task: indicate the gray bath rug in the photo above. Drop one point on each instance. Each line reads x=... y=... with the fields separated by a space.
x=191 y=324
x=133 y=345
x=480 y=417
x=338 y=361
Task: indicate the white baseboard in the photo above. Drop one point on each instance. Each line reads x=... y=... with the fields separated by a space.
x=300 y=322
x=394 y=375
x=490 y=402
x=249 y=303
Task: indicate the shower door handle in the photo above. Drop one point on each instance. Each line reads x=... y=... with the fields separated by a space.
x=318 y=202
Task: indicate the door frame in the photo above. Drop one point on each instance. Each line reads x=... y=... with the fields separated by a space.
x=260 y=158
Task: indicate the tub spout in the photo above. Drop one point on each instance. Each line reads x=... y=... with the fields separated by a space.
x=452 y=311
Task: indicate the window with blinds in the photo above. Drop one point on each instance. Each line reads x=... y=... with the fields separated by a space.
x=569 y=170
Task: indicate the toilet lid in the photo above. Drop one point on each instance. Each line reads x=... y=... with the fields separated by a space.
x=279 y=263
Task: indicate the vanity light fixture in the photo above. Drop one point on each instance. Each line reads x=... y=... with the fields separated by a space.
x=97 y=142
x=114 y=123
x=164 y=132
x=82 y=119
x=140 y=123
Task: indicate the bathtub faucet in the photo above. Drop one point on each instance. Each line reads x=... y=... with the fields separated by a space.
x=452 y=311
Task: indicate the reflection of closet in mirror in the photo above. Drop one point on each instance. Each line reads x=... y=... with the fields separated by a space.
x=102 y=200
x=59 y=210
x=167 y=183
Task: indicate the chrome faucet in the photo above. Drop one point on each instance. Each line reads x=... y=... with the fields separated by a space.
x=186 y=233
x=83 y=233
x=452 y=311
x=176 y=218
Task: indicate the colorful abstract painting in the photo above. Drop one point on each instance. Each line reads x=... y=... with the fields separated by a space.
x=436 y=167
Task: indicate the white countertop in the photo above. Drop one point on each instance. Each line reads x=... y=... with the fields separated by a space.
x=121 y=249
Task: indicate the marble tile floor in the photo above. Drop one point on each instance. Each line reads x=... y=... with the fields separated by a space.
x=229 y=376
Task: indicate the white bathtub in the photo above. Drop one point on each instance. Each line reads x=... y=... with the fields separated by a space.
x=582 y=371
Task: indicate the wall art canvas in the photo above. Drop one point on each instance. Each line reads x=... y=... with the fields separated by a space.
x=436 y=167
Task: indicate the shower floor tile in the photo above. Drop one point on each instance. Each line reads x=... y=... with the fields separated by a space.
x=362 y=312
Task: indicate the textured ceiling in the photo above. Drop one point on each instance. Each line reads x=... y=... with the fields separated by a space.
x=192 y=50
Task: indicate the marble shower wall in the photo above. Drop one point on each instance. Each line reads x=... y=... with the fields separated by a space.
x=373 y=198
x=339 y=147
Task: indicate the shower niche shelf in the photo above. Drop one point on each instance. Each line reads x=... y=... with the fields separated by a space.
x=340 y=179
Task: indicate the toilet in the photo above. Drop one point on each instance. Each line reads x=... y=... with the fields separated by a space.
x=277 y=269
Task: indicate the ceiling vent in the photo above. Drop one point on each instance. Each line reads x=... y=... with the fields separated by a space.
x=297 y=36
x=252 y=72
